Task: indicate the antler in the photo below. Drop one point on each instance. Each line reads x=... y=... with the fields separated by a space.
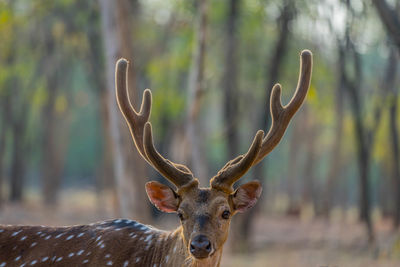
x=236 y=168
x=281 y=116
x=141 y=131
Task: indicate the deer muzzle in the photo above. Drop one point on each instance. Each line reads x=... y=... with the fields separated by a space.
x=200 y=247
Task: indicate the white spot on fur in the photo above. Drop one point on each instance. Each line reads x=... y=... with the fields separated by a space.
x=175 y=249
x=71 y=254
x=109 y=263
x=1 y=230
x=81 y=234
x=102 y=246
x=33 y=262
x=107 y=256
x=17 y=258
x=166 y=258
x=133 y=235
x=16 y=233
x=85 y=261
x=80 y=252
x=148 y=238
x=45 y=259
x=126 y=263
x=3 y=264
x=22 y=239
x=98 y=238
x=59 y=235
x=117 y=221
x=69 y=237
x=59 y=259
x=137 y=259
x=33 y=244
x=48 y=237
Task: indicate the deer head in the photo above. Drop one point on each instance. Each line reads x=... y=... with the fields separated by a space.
x=205 y=213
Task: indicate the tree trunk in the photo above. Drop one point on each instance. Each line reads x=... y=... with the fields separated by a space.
x=292 y=171
x=231 y=102
x=195 y=95
x=230 y=80
x=18 y=124
x=17 y=175
x=105 y=171
x=363 y=143
x=5 y=111
x=55 y=142
x=2 y=159
x=390 y=83
x=129 y=168
x=394 y=135
x=334 y=171
x=51 y=165
x=308 y=196
x=96 y=68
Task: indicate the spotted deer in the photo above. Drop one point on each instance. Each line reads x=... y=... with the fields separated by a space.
x=204 y=213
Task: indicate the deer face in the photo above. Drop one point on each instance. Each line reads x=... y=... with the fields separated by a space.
x=205 y=213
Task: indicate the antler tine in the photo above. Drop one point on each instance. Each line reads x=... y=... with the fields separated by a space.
x=176 y=173
x=281 y=115
x=134 y=120
x=141 y=132
x=237 y=167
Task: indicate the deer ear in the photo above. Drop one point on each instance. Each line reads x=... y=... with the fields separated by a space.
x=162 y=196
x=246 y=196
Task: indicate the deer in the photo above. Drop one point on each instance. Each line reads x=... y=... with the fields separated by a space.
x=204 y=213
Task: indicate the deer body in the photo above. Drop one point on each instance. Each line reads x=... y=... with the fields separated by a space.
x=204 y=213
x=117 y=242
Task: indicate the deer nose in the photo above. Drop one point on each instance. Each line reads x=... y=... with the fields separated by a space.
x=200 y=247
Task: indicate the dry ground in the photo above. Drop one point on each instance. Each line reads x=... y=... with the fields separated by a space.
x=278 y=240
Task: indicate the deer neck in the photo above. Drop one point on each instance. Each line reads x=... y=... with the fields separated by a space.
x=180 y=256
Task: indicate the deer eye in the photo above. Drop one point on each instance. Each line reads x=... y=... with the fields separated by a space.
x=226 y=214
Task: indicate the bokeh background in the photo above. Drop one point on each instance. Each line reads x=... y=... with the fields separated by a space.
x=331 y=188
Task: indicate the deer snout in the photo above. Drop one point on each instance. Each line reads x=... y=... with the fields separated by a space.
x=200 y=247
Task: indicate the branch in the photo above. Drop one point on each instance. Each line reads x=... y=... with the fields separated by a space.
x=390 y=19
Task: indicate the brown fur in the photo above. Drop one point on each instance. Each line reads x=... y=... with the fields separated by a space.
x=102 y=244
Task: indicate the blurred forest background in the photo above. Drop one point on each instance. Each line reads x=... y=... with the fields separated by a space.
x=331 y=188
